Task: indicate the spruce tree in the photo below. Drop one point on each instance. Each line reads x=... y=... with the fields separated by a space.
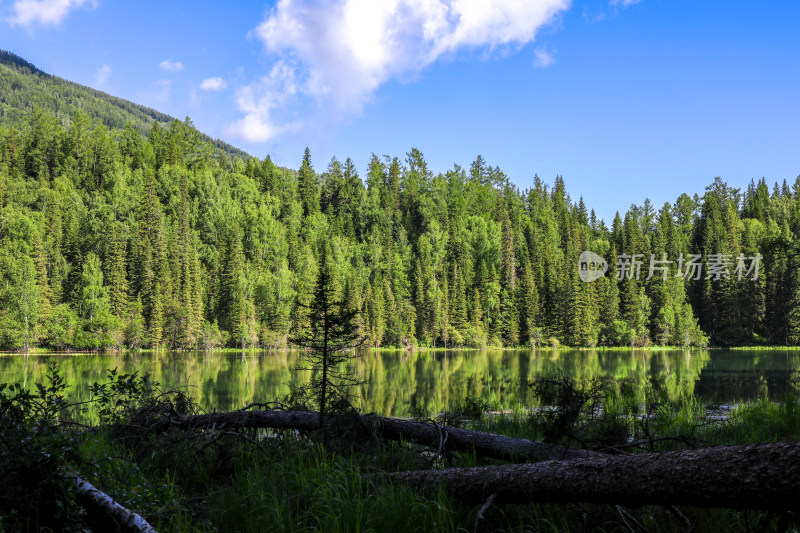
x=329 y=341
x=117 y=276
x=307 y=186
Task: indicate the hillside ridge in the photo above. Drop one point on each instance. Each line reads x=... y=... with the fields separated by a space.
x=23 y=86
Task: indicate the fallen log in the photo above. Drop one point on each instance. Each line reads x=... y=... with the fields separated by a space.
x=445 y=437
x=93 y=499
x=760 y=476
x=484 y=444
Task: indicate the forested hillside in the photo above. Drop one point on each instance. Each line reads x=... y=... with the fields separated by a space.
x=24 y=87
x=113 y=238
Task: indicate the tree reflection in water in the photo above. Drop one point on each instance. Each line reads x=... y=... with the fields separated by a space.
x=226 y=380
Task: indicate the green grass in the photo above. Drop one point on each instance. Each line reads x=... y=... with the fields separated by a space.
x=761 y=347
x=761 y=420
x=678 y=421
x=287 y=485
x=301 y=488
x=296 y=485
x=136 y=484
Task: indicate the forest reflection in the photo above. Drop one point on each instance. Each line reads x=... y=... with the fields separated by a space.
x=392 y=380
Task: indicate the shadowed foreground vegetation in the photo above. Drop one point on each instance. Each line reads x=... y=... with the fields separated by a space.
x=229 y=479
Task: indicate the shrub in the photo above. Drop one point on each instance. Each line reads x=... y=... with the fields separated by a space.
x=35 y=457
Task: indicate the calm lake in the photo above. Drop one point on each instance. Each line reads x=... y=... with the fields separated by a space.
x=392 y=379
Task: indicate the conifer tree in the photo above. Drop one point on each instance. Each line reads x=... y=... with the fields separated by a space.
x=307 y=185
x=42 y=279
x=329 y=340
x=156 y=323
x=117 y=273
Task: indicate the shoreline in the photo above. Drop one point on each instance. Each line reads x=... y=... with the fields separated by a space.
x=421 y=349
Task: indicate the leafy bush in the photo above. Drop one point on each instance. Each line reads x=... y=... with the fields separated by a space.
x=120 y=395
x=36 y=458
x=42 y=450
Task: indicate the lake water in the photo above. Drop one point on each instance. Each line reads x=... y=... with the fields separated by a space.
x=392 y=379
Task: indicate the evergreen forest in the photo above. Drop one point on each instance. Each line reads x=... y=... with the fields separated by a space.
x=119 y=228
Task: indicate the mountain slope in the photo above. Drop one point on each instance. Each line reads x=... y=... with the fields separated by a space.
x=23 y=86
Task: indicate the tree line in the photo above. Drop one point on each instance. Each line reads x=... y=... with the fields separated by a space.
x=112 y=238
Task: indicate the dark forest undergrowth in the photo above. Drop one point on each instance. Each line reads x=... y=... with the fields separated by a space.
x=218 y=479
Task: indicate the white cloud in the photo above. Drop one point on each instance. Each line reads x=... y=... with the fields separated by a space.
x=171 y=66
x=44 y=12
x=345 y=49
x=260 y=101
x=350 y=47
x=102 y=75
x=213 y=84
x=542 y=58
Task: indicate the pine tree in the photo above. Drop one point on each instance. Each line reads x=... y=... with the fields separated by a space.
x=377 y=311
x=307 y=186
x=234 y=285
x=156 y=327
x=116 y=271
x=42 y=279
x=329 y=340
x=401 y=324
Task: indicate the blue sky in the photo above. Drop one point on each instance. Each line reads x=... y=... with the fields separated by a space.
x=625 y=100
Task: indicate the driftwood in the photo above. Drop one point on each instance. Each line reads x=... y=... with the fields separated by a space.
x=443 y=437
x=760 y=476
x=101 y=503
